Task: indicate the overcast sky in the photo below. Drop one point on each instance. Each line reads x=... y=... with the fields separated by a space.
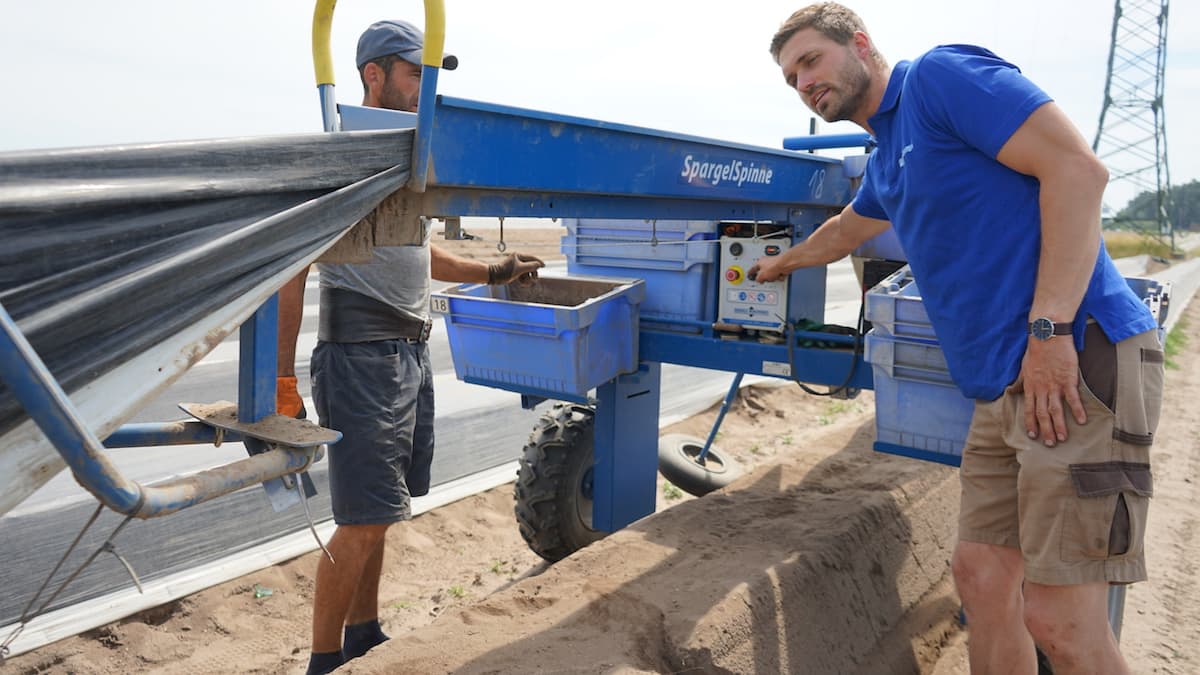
x=80 y=72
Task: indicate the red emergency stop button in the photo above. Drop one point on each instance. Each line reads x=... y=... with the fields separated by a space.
x=734 y=275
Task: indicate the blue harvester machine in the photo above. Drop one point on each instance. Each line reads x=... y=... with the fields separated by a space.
x=661 y=230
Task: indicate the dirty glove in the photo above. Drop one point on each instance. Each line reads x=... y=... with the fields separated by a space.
x=287 y=398
x=514 y=267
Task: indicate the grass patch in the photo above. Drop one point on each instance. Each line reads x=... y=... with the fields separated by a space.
x=671 y=492
x=457 y=591
x=1126 y=243
x=1176 y=341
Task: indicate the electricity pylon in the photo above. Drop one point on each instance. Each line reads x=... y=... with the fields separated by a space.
x=1131 y=139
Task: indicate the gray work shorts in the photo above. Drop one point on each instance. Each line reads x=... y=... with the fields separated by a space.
x=380 y=396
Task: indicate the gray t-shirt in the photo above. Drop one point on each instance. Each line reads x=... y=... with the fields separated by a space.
x=398 y=276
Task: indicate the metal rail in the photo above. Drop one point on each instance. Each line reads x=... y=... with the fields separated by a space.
x=47 y=404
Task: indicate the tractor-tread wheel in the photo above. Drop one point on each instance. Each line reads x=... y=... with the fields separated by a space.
x=553 y=491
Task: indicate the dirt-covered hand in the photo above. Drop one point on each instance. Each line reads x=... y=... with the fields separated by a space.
x=518 y=267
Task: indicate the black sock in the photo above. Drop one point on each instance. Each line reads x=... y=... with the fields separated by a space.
x=360 y=638
x=320 y=663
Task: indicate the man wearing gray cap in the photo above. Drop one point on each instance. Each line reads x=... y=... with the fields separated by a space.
x=372 y=378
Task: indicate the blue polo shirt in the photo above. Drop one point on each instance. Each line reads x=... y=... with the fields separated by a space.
x=970 y=226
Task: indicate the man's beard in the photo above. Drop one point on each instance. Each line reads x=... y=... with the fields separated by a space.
x=854 y=83
x=394 y=99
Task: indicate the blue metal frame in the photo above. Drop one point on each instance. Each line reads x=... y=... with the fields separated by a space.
x=625 y=448
x=258 y=346
x=257 y=364
x=729 y=396
x=490 y=159
x=35 y=388
x=494 y=160
x=154 y=434
x=828 y=141
x=424 y=134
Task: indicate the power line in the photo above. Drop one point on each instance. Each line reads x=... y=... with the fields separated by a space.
x=1131 y=138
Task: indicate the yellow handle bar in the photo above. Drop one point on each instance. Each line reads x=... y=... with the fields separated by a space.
x=435 y=37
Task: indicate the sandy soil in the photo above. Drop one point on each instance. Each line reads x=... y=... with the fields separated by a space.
x=460 y=581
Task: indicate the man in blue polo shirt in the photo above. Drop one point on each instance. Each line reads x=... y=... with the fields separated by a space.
x=995 y=197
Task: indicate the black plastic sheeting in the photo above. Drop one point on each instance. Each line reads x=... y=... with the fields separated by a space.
x=105 y=252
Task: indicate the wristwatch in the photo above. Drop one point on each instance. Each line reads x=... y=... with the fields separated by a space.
x=1044 y=329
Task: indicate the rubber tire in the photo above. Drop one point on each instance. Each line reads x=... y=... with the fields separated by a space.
x=553 y=491
x=677 y=463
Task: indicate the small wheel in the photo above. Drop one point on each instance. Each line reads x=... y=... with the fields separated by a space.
x=678 y=456
x=554 y=483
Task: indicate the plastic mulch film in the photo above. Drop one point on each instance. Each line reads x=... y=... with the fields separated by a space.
x=105 y=252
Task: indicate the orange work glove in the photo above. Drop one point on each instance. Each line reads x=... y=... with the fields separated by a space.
x=287 y=398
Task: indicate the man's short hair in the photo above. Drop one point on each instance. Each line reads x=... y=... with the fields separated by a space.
x=384 y=62
x=836 y=22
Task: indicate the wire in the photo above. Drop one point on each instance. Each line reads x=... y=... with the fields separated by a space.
x=845 y=385
x=27 y=615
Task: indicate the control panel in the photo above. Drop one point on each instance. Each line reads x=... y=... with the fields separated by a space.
x=743 y=301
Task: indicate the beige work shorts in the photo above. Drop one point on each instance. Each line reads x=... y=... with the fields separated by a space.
x=1077 y=511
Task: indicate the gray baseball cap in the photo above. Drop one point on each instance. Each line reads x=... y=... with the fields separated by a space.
x=401 y=38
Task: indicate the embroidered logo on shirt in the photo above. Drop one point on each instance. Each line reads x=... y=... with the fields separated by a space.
x=907 y=149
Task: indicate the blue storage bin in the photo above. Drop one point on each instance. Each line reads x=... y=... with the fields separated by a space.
x=1156 y=296
x=560 y=336
x=894 y=307
x=661 y=244
x=675 y=258
x=919 y=412
x=670 y=295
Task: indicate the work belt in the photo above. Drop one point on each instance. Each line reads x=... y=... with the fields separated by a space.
x=347 y=316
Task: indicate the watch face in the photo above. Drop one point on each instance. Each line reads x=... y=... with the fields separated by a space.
x=1042 y=328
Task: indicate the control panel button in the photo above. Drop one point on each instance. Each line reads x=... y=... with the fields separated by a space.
x=734 y=275
x=735 y=248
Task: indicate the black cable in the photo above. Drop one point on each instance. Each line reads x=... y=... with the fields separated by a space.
x=858 y=343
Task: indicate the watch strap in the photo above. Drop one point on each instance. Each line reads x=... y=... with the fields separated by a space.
x=1060 y=327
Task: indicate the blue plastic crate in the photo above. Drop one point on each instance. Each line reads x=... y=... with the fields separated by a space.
x=675 y=258
x=670 y=296
x=660 y=244
x=894 y=307
x=561 y=336
x=1156 y=296
x=919 y=412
